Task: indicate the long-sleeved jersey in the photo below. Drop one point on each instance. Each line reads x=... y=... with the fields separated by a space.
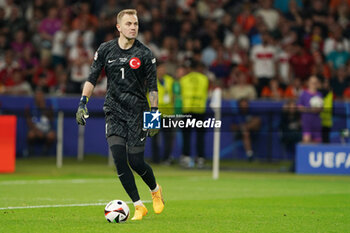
x=130 y=73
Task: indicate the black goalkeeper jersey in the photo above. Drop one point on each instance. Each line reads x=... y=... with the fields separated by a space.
x=130 y=73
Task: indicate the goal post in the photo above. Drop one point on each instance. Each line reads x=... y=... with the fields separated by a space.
x=215 y=104
x=59 y=148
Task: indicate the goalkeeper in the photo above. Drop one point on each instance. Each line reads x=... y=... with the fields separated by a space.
x=130 y=69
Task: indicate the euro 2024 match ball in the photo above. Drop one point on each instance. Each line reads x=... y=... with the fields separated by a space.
x=117 y=211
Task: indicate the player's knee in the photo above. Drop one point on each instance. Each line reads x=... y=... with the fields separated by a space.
x=137 y=162
x=119 y=156
x=118 y=148
x=116 y=140
x=136 y=150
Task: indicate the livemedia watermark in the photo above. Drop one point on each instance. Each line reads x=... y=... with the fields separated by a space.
x=153 y=120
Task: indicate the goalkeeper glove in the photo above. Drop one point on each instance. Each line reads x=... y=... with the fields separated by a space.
x=82 y=112
x=152 y=132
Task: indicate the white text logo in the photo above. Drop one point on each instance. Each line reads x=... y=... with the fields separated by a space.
x=329 y=159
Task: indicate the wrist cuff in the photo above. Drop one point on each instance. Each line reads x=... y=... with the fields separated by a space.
x=84 y=99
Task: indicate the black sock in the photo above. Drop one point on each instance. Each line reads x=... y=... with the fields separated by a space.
x=138 y=164
x=124 y=172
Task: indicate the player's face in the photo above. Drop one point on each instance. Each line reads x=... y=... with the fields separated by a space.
x=129 y=26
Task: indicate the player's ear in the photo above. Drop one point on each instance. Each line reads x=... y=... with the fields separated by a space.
x=118 y=27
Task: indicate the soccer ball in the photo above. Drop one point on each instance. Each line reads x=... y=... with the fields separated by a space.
x=117 y=211
x=316 y=102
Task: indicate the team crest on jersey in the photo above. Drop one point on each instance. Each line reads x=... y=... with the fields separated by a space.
x=135 y=63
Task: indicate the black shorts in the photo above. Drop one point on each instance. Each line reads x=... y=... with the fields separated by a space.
x=129 y=127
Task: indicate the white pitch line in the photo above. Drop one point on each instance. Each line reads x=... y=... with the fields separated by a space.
x=56 y=181
x=63 y=205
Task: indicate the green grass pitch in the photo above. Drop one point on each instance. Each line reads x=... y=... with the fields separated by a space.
x=237 y=202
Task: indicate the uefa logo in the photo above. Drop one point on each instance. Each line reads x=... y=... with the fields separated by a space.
x=151 y=120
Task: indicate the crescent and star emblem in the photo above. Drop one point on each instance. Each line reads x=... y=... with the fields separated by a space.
x=135 y=63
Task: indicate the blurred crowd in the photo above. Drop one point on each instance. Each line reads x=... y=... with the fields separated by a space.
x=252 y=49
